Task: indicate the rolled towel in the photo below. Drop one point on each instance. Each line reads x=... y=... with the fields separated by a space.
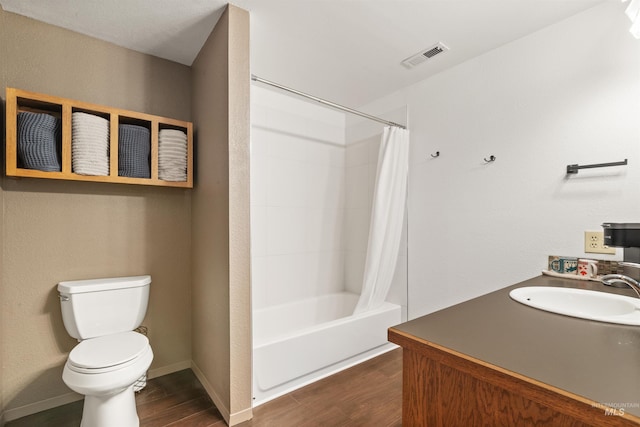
x=134 y=148
x=172 y=155
x=89 y=144
x=38 y=136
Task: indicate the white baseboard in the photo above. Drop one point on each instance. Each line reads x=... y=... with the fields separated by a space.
x=230 y=419
x=240 y=417
x=224 y=411
x=43 y=405
x=170 y=369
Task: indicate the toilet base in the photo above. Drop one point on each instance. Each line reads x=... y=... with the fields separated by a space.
x=114 y=410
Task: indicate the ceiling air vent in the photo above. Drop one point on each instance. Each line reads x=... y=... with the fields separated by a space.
x=424 y=55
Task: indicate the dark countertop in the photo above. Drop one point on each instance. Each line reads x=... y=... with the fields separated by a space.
x=598 y=361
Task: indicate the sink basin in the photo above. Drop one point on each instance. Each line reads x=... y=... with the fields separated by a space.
x=585 y=304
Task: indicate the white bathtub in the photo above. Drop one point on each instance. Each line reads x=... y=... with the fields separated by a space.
x=297 y=343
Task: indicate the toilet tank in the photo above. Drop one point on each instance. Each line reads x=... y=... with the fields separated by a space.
x=97 y=307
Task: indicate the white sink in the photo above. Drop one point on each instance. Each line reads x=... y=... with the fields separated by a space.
x=591 y=305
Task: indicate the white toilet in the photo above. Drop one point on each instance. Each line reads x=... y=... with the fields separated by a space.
x=102 y=314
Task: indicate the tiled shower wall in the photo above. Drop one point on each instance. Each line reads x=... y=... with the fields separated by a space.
x=361 y=164
x=297 y=198
x=312 y=181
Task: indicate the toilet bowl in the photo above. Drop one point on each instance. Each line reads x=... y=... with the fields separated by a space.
x=110 y=357
x=104 y=370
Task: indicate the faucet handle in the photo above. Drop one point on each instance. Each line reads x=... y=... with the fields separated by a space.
x=629 y=264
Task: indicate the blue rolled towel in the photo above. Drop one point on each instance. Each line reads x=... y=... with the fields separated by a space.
x=38 y=136
x=134 y=149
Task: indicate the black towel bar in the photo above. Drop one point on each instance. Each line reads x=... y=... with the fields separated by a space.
x=574 y=168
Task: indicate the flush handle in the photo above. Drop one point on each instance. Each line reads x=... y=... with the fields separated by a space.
x=64 y=298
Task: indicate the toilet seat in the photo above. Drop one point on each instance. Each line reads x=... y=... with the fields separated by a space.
x=107 y=353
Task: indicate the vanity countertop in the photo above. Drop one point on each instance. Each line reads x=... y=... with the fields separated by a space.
x=599 y=362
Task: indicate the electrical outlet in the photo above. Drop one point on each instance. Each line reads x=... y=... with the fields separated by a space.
x=594 y=243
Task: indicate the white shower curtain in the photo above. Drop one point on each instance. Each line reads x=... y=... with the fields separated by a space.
x=387 y=216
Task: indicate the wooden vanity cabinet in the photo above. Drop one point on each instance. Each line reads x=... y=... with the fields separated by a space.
x=444 y=388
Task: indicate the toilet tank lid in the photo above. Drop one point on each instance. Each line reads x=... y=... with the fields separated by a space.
x=96 y=285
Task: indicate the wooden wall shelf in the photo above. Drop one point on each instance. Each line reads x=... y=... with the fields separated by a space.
x=22 y=101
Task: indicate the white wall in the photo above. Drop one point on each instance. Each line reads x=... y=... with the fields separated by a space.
x=569 y=93
x=297 y=198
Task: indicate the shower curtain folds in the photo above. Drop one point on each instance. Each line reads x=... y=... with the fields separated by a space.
x=387 y=217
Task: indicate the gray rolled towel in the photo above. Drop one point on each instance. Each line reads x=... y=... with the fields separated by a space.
x=38 y=137
x=134 y=148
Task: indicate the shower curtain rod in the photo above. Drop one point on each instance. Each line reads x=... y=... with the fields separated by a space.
x=325 y=102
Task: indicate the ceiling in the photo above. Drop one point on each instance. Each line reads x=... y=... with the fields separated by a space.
x=347 y=51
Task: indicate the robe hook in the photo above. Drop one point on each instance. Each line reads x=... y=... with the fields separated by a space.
x=491 y=158
x=436 y=155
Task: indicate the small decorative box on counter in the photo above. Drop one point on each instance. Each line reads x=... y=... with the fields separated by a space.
x=563 y=265
x=569 y=265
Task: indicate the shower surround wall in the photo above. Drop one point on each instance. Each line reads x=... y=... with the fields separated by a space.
x=313 y=173
x=297 y=199
x=311 y=197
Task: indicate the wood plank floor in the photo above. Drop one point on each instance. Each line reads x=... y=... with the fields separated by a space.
x=369 y=394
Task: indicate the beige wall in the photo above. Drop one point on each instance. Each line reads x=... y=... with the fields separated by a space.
x=2 y=343
x=241 y=349
x=56 y=230
x=220 y=218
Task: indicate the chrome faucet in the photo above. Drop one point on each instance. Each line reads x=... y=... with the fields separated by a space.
x=610 y=279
